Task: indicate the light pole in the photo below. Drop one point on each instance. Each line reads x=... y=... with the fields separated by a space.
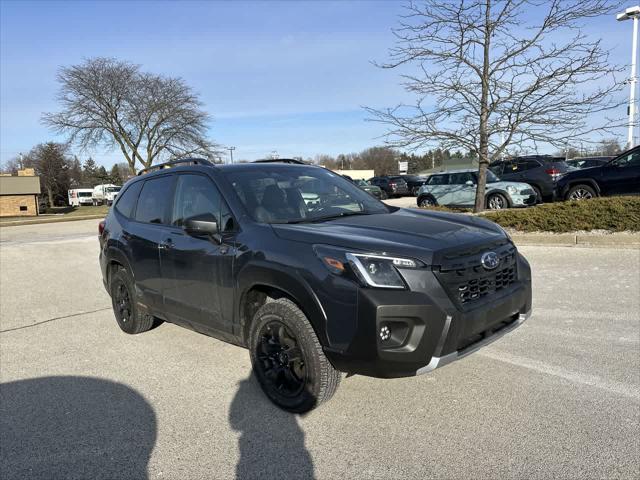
x=231 y=149
x=632 y=13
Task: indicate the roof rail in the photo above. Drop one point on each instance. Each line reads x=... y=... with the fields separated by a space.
x=172 y=163
x=281 y=160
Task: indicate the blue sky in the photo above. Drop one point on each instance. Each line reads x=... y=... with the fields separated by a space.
x=285 y=76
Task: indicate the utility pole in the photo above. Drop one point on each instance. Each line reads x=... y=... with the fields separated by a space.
x=231 y=149
x=632 y=14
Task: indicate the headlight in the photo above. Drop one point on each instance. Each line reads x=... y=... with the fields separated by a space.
x=372 y=270
x=511 y=190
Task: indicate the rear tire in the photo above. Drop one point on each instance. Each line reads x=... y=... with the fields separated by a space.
x=288 y=360
x=427 y=201
x=125 y=308
x=581 y=192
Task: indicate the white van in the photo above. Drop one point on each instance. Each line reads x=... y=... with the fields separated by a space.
x=105 y=193
x=80 y=196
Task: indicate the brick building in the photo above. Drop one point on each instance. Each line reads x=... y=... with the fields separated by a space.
x=19 y=194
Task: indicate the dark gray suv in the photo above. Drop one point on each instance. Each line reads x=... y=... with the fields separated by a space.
x=311 y=274
x=540 y=171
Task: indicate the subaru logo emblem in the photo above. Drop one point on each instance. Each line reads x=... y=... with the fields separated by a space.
x=490 y=260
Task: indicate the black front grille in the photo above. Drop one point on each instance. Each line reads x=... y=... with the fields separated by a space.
x=473 y=283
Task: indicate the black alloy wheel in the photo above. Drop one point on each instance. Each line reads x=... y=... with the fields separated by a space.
x=128 y=315
x=281 y=361
x=122 y=303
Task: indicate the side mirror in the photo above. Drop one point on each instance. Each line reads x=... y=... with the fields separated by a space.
x=469 y=183
x=202 y=228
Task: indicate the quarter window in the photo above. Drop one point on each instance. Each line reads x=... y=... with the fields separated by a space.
x=127 y=200
x=155 y=200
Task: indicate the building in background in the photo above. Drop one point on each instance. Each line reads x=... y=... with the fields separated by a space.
x=19 y=194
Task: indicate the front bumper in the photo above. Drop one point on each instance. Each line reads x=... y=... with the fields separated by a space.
x=523 y=200
x=426 y=329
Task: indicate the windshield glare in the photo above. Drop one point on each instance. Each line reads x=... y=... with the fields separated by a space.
x=299 y=194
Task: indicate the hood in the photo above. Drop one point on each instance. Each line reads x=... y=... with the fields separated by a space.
x=410 y=233
x=502 y=185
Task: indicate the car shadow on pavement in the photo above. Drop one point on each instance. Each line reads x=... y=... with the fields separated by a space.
x=74 y=427
x=271 y=441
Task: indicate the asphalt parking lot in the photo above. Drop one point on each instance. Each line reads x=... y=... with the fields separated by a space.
x=558 y=398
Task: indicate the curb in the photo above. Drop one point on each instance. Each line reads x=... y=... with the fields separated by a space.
x=49 y=220
x=622 y=240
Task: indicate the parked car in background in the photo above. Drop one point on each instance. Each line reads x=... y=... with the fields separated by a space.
x=539 y=171
x=588 y=162
x=414 y=182
x=372 y=190
x=105 y=193
x=394 y=186
x=620 y=176
x=457 y=188
x=80 y=196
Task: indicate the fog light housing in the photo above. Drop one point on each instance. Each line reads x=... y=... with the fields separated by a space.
x=385 y=333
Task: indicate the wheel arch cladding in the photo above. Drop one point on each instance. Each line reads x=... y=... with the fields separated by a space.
x=258 y=284
x=590 y=182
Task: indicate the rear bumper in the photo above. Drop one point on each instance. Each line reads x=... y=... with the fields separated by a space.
x=425 y=329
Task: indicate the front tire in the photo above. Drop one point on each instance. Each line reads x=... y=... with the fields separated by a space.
x=497 y=201
x=125 y=308
x=288 y=360
x=581 y=192
x=383 y=195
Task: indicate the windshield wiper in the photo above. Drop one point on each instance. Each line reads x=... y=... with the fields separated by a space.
x=337 y=215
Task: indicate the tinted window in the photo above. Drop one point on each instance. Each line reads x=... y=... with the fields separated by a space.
x=496 y=168
x=127 y=200
x=155 y=200
x=630 y=160
x=461 y=178
x=198 y=198
x=439 y=180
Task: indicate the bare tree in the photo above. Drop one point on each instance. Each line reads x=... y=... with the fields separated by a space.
x=52 y=166
x=113 y=103
x=486 y=78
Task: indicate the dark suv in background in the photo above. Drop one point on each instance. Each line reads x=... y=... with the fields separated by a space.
x=313 y=275
x=414 y=182
x=393 y=186
x=620 y=176
x=539 y=171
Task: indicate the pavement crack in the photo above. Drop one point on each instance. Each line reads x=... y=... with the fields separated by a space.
x=54 y=319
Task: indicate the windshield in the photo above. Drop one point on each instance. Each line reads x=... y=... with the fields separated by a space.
x=112 y=189
x=491 y=177
x=362 y=183
x=84 y=194
x=299 y=194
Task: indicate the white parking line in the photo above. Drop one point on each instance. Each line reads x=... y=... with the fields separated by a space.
x=631 y=391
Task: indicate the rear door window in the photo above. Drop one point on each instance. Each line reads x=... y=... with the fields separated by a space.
x=155 y=200
x=126 y=203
